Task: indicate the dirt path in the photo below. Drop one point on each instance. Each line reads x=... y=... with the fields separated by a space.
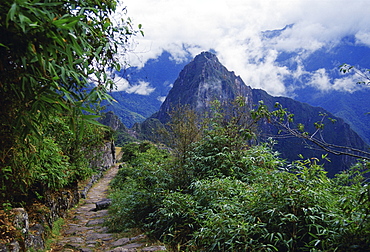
x=84 y=230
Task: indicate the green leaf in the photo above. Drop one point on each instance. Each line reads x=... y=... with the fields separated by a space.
x=66 y=23
x=4 y=46
x=50 y=4
x=88 y=117
x=91 y=121
x=46 y=99
x=11 y=13
x=89 y=110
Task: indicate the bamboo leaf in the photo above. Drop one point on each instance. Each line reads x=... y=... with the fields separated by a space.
x=11 y=13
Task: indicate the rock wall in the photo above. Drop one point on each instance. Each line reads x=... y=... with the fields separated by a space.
x=107 y=158
x=104 y=157
x=56 y=203
x=31 y=230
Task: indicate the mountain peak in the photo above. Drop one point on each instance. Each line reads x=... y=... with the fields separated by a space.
x=205 y=56
x=201 y=81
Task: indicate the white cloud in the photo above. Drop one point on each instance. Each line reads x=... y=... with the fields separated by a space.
x=161 y=98
x=320 y=80
x=363 y=37
x=233 y=29
x=143 y=88
x=121 y=84
x=168 y=84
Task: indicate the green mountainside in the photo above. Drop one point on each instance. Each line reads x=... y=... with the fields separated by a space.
x=205 y=79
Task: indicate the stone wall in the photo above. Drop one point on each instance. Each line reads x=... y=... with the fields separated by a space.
x=107 y=158
x=31 y=230
x=56 y=203
x=104 y=157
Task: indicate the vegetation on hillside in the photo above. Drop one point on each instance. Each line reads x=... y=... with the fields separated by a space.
x=50 y=53
x=212 y=191
x=230 y=196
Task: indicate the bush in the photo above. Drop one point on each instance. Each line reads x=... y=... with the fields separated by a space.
x=248 y=200
x=139 y=187
x=225 y=224
x=212 y=158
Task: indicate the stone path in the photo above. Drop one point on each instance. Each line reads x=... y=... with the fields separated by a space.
x=84 y=230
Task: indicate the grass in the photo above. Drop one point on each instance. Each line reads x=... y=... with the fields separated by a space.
x=54 y=234
x=57 y=227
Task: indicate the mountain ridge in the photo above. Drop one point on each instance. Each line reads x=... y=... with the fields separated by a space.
x=351 y=106
x=205 y=78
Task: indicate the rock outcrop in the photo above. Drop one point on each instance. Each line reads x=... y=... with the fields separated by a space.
x=32 y=232
x=122 y=134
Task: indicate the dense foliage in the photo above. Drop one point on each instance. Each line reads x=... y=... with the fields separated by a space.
x=235 y=197
x=50 y=51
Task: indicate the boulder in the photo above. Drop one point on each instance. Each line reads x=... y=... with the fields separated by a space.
x=103 y=204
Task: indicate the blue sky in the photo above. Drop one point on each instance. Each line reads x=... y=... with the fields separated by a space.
x=233 y=28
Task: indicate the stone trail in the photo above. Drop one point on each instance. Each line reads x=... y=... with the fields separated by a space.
x=84 y=230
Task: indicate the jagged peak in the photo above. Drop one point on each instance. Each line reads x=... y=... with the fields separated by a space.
x=201 y=81
x=206 y=57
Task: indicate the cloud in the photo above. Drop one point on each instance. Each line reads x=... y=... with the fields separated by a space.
x=121 y=84
x=320 y=80
x=363 y=38
x=142 y=88
x=161 y=98
x=234 y=30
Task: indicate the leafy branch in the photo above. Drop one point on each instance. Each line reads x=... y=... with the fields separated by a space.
x=364 y=74
x=283 y=119
x=49 y=51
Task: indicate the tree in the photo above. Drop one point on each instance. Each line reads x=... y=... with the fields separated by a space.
x=49 y=52
x=226 y=128
x=182 y=130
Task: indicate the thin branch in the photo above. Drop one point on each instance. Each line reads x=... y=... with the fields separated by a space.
x=331 y=148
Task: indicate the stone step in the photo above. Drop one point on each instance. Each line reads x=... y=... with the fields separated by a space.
x=103 y=204
x=85 y=230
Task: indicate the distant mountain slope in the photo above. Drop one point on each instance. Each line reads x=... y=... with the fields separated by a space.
x=352 y=107
x=205 y=79
x=338 y=133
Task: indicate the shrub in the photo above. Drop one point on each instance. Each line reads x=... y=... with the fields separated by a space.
x=249 y=200
x=139 y=188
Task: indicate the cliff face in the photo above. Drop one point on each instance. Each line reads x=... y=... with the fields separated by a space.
x=206 y=79
x=112 y=120
x=105 y=156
